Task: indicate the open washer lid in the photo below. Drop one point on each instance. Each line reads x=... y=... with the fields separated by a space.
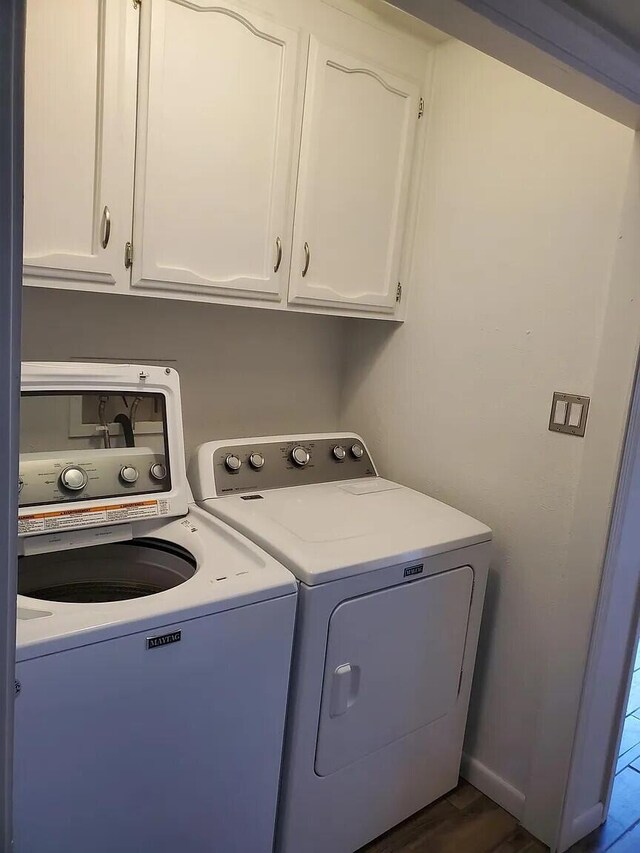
x=100 y=445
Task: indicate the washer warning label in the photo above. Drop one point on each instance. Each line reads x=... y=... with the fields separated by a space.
x=71 y=519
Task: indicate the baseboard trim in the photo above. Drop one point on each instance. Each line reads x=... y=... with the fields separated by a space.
x=494 y=786
x=582 y=825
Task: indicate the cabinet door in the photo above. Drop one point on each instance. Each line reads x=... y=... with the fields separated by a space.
x=80 y=92
x=213 y=209
x=357 y=145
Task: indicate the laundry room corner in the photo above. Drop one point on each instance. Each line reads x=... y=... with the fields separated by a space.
x=520 y=207
x=323 y=460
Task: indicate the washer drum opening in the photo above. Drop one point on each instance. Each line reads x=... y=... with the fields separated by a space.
x=114 y=572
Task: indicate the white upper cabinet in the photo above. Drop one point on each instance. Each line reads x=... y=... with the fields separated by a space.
x=80 y=90
x=358 y=137
x=223 y=152
x=216 y=151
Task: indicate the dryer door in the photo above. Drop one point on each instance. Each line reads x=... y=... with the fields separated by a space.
x=393 y=665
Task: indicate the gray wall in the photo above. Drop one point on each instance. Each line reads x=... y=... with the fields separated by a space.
x=243 y=371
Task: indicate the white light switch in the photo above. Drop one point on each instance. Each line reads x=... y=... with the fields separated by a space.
x=560 y=414
x=569 y=414
x=575 y=414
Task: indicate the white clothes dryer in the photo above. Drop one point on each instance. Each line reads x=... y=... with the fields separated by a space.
x=390 y=600
x=154 y=642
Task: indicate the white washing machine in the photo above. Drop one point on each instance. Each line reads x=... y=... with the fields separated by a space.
x=390 y=599
x=154 y=642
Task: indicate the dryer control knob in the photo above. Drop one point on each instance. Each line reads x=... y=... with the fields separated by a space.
x=233 y=463
x=300 y=456
x=339 y=452
x=256 y=460
x=357 y=451
x=74 y=478
x=20 y=484
x=158 y=471
x=129 y=474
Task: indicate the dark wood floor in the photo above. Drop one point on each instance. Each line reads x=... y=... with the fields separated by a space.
x=465 y=821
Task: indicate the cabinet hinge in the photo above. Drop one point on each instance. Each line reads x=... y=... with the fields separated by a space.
x=398 y=292
x=137 y=4
x=420 y=107
x=128 y=255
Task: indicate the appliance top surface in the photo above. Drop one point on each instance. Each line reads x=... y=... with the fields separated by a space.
x=231 y=572
x=326 y=530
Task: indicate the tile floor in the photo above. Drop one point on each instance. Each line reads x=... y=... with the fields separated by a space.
x=621 y=832
x=630 y=744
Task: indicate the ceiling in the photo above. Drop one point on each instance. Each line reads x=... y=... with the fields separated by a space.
x=620 y=17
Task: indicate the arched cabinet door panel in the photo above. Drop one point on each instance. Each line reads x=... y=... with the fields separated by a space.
x=358 y=139
x=80 y=94
x=216 y=129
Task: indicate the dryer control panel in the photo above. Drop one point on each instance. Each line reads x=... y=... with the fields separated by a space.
x=252 y=465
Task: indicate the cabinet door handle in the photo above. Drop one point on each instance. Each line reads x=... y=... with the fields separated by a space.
x=106 y=227
x=307 y=259
x=276 y=266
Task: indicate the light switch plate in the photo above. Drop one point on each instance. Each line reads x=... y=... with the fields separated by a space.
x=574 y=403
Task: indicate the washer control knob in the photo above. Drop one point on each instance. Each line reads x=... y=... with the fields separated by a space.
x=74 y=478
x=339 y=452
x=233 y=463
x=300 y=456
x=357 y=451
x=256 y=460
x=129 y=474
x=158 y=471
x=20 y=484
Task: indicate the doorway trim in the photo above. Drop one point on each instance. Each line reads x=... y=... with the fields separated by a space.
x=574 y=705
x=12 y=26
x=611 y=656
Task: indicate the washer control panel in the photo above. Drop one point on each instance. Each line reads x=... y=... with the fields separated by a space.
x=277 y=464
x=86 y=475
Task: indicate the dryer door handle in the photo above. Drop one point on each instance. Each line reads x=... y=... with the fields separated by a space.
x=344 y=688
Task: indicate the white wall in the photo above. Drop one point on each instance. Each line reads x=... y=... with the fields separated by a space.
x=522 y=191
x=243 y=371
x=584 y=584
